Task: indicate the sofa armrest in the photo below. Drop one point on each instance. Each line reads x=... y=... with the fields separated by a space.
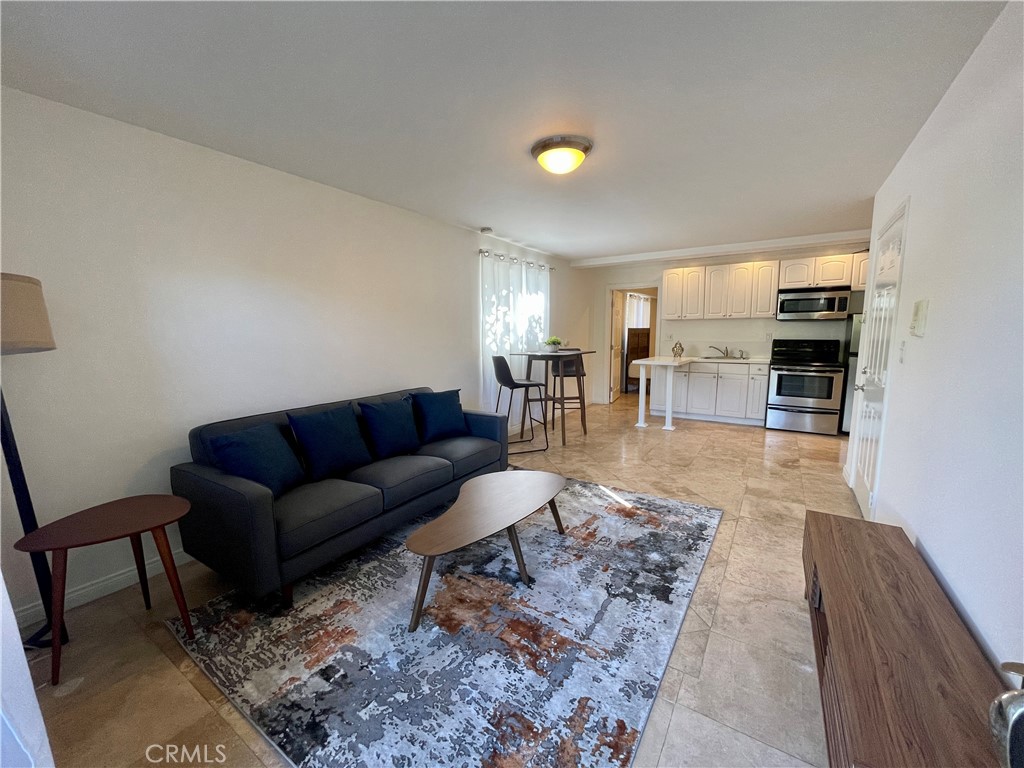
x=493 y=426
x=230 y=526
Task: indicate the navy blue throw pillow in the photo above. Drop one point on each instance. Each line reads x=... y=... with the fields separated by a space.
x=439 y=414
x=391 y=426
x=330 y=441
x=260 y=454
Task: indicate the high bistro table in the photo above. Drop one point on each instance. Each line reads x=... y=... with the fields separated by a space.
x=559 y=358
x=669 y=364
x=125 y=518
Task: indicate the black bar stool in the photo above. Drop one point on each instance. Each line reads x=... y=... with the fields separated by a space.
x=503 y=374
x=570 y=368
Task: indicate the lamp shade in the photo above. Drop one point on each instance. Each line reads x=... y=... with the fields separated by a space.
x=24 y=324
x=561 y=154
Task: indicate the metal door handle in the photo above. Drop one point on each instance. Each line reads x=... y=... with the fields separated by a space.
x=858 y=387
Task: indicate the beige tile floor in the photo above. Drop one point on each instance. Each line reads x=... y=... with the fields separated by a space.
x=740 y=689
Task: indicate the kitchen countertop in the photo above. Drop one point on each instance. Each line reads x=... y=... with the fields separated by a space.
x=668 y=360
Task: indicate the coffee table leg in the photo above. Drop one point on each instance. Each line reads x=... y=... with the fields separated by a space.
x=140 y=566
x=60 y=573
x=421 y=592
x=554 y=512
x=514 y=538
x=164 y=547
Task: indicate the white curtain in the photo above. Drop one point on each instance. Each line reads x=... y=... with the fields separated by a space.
x=638 y=311
x=514 y=305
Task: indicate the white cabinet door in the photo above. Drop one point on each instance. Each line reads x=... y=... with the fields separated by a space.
x=671 y=298
x=680 y=380
x=765 y=289
x=757 y=397
x=701 y=393
x=740 y=284
x=731 y=397
x=796 y=273
x=657 y=386
x=833 y=270
x=716 y=291
x=859 y=282
x=693 y=293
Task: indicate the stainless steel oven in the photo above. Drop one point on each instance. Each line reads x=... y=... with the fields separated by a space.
x=805 y=386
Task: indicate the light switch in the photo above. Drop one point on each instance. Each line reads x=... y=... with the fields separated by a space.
x=920 y=318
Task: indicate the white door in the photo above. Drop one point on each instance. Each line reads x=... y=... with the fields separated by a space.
x=833 y=270
x=765 y=289
x=716 y=291
x=757 y=397
x=740 y=281
x=874 y=360
x=693 y=293
x=701 y=393
x=859 y=281
x=731 y=397
x=679 y=391
x=796 y=273
x=615 y=359
x=672 y=294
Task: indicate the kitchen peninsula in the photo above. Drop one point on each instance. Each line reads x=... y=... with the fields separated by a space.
x=720 y=388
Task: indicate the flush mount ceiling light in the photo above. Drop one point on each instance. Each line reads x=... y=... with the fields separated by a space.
x=561 y=154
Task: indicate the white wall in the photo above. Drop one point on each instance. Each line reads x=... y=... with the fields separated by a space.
x=185 y=286
x=952 y=453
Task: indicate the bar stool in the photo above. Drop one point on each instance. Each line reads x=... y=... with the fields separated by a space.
x=503 y=374
x=571 y=368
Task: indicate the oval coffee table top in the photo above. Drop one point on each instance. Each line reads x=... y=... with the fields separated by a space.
x=106 y=522
x=486 y=505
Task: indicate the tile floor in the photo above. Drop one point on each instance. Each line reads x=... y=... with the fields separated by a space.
x=741 y=687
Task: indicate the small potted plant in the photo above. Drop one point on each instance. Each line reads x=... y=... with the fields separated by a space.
x=552 y=343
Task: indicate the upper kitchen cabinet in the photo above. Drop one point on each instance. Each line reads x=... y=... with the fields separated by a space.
x=682 y=293
x=764 y=289
x=860 y=272
x=823 y=271
x=727 y=290
x=833 y=270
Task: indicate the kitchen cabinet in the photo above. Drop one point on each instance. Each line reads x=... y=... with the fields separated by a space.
x=731 y=391
x=859 y=281
x=764 y=284
x=796 y=273
x=702 y=388
x=820 y=272
x=831 y=271
x=671 y=298
x=757 y=392
x=682 y=293
x=727 y=289
x=679 y=389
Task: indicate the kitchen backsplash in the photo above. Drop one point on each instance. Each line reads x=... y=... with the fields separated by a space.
x=697 y=336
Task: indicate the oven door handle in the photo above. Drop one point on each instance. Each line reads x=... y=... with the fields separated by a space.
x=805 y=372
x=790 y=409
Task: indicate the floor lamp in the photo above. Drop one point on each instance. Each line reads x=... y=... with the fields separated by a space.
x=25 y=327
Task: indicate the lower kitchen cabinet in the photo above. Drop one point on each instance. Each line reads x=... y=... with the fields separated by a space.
x=731 y=394
x=679 y=390
x=757 y=396
x=702 y=393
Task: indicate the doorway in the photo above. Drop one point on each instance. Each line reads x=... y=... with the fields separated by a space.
x=633 y=318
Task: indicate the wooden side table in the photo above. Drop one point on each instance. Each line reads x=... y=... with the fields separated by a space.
x=125 y=518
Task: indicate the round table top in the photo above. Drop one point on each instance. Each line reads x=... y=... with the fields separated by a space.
x=106 y=522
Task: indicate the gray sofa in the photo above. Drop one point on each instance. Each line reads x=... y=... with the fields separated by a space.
x=264 y=544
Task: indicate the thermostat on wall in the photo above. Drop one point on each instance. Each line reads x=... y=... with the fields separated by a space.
x=920 y=318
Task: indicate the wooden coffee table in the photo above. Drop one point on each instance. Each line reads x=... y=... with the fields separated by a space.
x=486 y=505
x=122 y=519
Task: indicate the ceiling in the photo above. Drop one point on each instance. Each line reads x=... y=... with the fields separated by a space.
x=713 y=123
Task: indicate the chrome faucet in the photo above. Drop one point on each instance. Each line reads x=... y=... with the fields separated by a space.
x=725 y=352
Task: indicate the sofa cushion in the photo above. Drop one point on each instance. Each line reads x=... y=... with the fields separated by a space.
x=439 y=415
x=330 y=441
x=313 y=513
x=260 y=454
x=401 y=478
x=467 y=454
x=392 y=427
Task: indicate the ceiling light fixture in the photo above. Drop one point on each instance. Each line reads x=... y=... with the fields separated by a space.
x=561 y=154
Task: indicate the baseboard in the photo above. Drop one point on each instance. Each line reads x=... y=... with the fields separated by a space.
x=660 y=412
x=31 y=615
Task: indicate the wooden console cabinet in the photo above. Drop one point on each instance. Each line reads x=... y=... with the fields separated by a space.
x=903 y=682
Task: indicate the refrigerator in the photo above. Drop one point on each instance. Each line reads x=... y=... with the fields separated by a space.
x=854 y=324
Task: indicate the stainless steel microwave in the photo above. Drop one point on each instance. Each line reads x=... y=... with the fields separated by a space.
x=813 y=304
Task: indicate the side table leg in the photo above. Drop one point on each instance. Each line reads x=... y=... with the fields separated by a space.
x=421 y=592
x=164 y=547
x=140 y=566
x=513 y=537
x=554 y=512
x=60 y=574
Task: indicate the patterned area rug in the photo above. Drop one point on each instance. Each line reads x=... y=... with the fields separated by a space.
x=562 y=673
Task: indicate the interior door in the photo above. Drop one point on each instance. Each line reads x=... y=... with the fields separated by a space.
x=874 y=360
x=616 y=359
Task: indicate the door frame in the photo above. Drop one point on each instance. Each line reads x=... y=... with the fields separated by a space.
x=604 y=348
